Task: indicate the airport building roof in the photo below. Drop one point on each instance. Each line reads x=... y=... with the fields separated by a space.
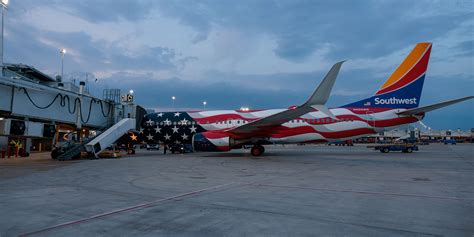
x=29 y=72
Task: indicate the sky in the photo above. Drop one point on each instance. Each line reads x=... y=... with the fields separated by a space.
x=253 y=53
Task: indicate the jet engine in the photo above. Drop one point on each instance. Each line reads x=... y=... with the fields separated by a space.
x=212 y=141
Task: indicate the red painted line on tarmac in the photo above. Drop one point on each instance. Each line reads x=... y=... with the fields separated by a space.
x=126 y=209
x=367 y=192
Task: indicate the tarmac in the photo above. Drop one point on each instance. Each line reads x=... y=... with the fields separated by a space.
x=290 y=191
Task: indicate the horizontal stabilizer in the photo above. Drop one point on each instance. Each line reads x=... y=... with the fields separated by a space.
x=432 y=107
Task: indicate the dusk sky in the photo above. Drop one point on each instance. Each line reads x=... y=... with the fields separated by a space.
x=256 y=53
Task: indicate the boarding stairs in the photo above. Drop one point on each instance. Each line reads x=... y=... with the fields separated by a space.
x=72 y=150
x=109 y=136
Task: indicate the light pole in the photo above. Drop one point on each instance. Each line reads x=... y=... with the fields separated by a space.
x=4 y=6
x=173 y=98
x=204 y=103
x=63 y=52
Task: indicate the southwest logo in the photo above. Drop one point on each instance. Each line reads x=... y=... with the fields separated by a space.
x=394 y=100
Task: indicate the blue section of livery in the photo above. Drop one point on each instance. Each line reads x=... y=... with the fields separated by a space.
x=407 y=97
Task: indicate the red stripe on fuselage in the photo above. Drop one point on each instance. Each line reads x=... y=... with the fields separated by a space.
x=215 y=134
x=288 y=132
x=392 y=122
x=283 y=131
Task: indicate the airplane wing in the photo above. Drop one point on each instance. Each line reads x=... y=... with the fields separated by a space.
x=316 y=101
x=432 y=107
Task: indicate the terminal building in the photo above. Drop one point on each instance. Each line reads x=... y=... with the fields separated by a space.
x=427 y=135
x=38 y=112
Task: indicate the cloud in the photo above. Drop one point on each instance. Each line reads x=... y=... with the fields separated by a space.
x=91 y=10
x=353 y=29
x=85 y=54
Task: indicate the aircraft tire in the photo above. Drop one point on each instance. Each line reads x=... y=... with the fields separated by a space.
x=256 y=151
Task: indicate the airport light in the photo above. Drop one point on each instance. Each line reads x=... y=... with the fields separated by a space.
x=173 y=98
x=4 y=7
x=204 y=103
x=63 y=52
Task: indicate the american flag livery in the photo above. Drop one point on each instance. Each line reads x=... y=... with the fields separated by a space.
x=180 y=127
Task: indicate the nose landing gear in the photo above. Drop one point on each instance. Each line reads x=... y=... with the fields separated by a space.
x=257 y=150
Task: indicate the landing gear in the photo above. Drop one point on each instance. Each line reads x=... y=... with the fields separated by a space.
x=257 y=150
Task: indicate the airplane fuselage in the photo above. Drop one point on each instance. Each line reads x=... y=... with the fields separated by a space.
x=351 y=123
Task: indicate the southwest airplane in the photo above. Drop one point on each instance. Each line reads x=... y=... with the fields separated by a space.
x=394 y=104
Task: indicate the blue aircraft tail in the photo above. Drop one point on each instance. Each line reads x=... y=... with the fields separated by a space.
x=403 y=88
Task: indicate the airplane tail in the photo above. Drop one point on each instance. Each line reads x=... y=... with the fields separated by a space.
x=403 y=88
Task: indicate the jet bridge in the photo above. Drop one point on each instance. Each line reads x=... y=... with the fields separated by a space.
x=33 y=105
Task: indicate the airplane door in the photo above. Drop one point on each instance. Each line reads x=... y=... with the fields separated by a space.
x=370 y=120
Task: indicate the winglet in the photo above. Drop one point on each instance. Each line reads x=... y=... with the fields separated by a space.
x=321 y=94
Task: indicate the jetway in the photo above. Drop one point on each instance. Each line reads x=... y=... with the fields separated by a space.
x=35 y=106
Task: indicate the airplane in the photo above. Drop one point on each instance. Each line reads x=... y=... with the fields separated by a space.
x=395 y=103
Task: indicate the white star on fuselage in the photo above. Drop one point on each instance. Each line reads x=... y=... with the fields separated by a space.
x=177 y=114
x=141 y=130
x=184 y=136
x=158 y=129
x=193 y=129
x=167 y=122
x=167 y=137
x=184 y=122
x=175 y=129
x=150 y=137
x=149 y=122
x=160 y=115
